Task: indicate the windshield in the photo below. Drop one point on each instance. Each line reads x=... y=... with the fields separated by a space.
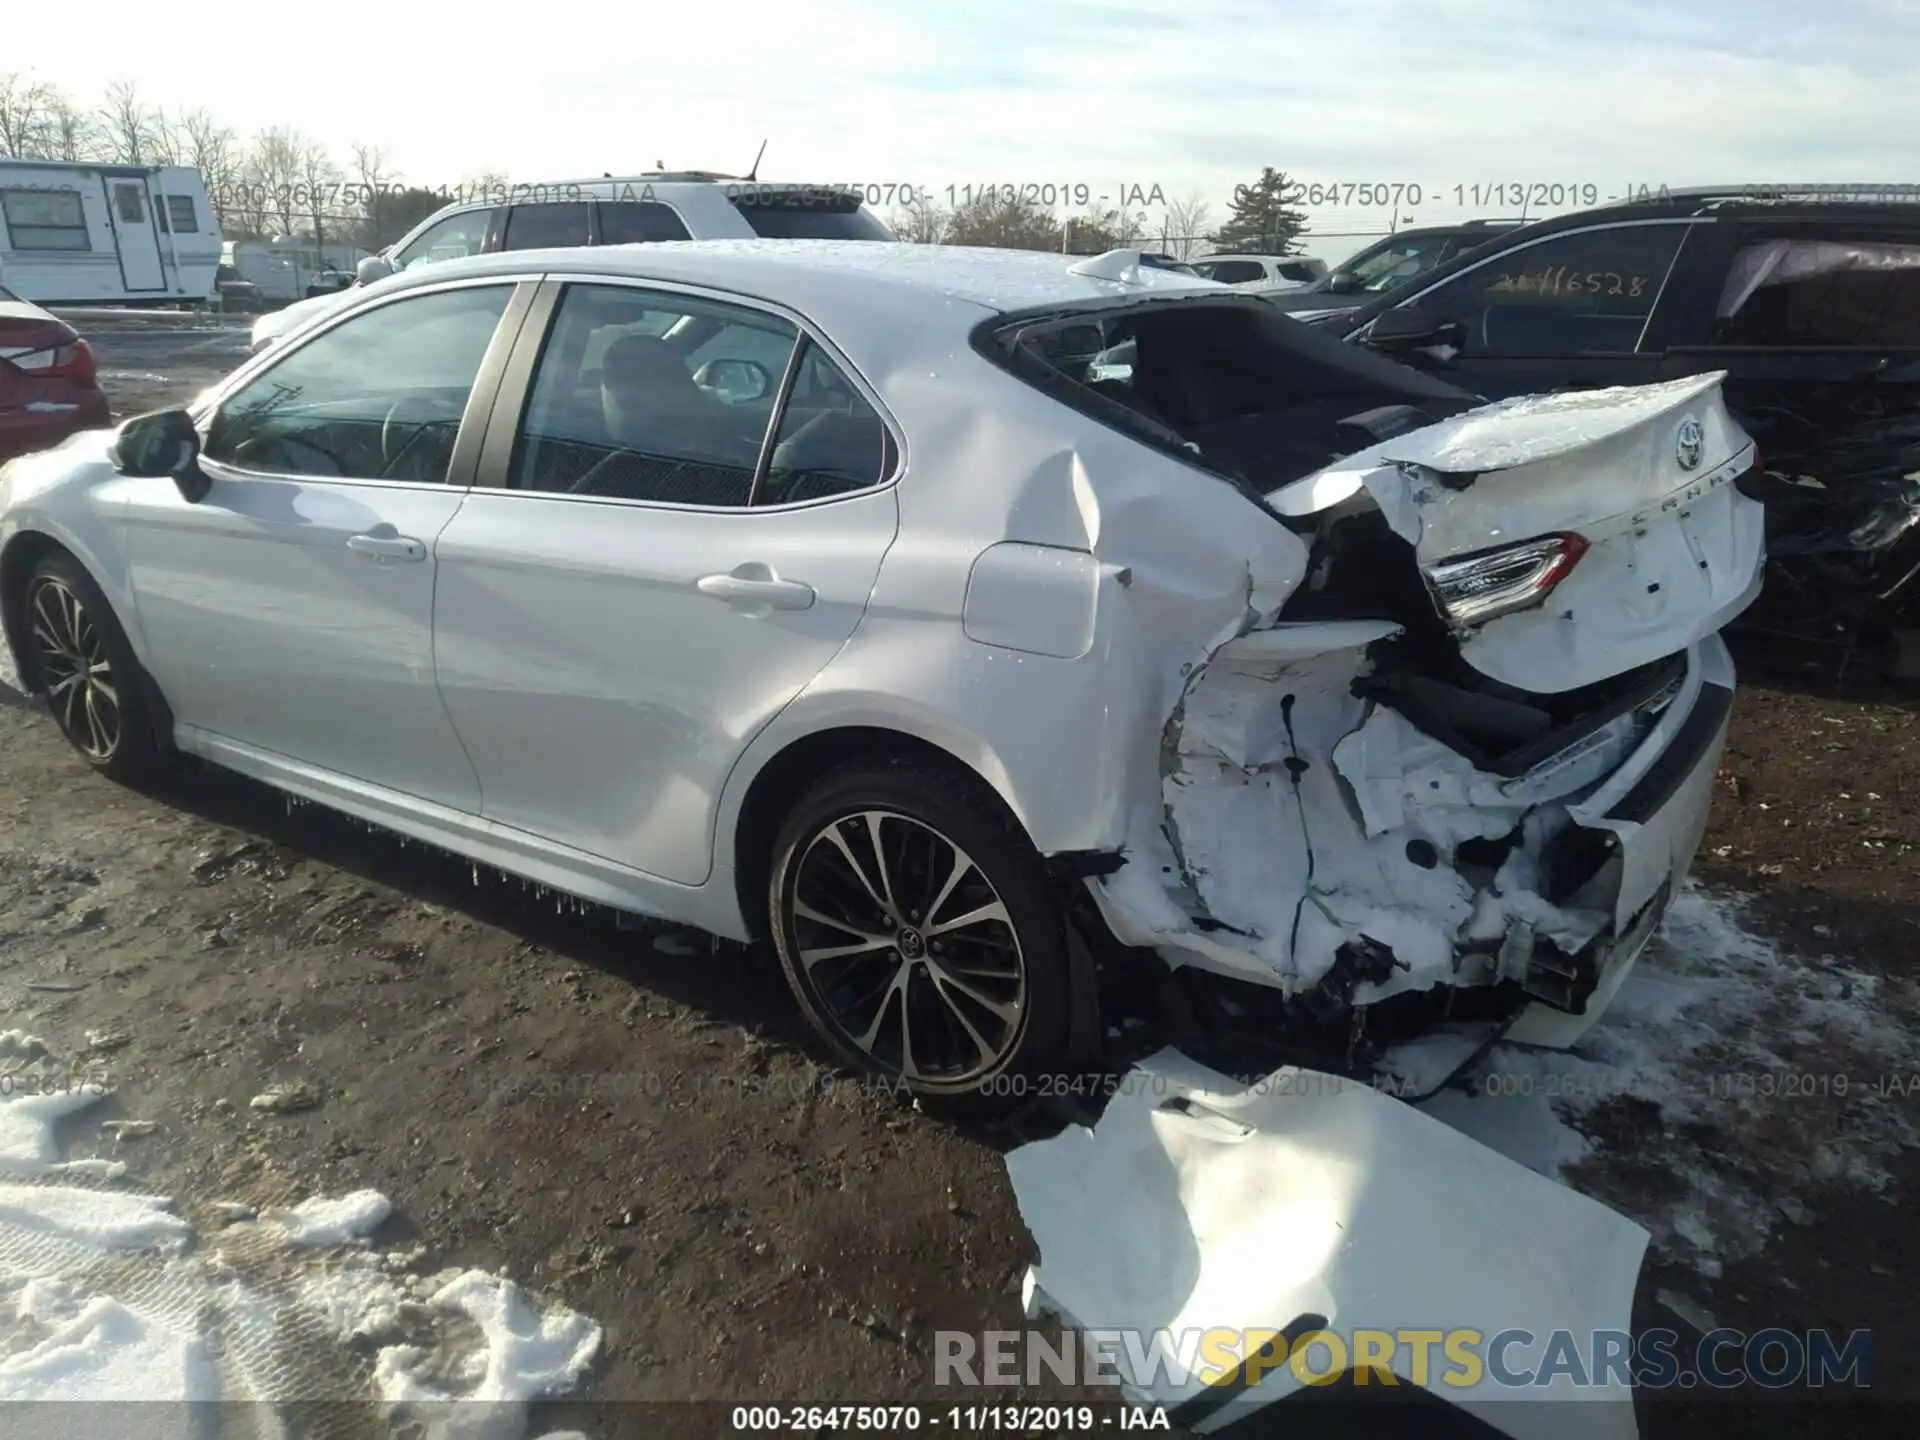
x=806 y=222
x=1393 y=266
x=6 y=294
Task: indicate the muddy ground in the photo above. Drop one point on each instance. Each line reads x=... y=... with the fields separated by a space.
x=636 y=1123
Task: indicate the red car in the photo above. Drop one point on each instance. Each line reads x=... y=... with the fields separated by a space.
x=47 y=385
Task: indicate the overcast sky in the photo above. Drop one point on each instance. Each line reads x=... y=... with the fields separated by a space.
x=1191 y=97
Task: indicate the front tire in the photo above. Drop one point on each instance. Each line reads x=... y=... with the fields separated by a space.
x=85 y=668
x=913 y=922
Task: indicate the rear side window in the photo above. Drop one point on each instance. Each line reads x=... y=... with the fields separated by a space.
x=808 y=222
x=830 y=441
x=649 y=395
x=1819 y=292
x=543 y=227
x=638 y=222
x=1233 y=272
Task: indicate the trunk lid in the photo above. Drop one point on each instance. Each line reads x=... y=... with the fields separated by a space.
x=1569 y=538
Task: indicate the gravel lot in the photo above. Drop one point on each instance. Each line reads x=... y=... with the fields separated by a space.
x=634 y=1124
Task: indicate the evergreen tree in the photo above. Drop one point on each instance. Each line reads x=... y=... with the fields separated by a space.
x=1262 y=222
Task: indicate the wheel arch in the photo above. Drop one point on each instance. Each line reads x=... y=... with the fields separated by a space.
x=781 y=780
x=23 y=551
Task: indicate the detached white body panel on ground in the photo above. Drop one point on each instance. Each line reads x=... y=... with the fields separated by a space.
x=1200 y=1204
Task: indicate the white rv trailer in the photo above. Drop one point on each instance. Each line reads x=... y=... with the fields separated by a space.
x=96 y=234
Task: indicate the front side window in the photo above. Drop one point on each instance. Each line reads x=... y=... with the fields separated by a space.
x=454 y=238
x=45 y=219
x=179 y=215
x=1833 y=290
x=546 y=227
x=1588 y=291
x=645 y=395
x=1399 y=263
x=378 y=397
x=637 y=222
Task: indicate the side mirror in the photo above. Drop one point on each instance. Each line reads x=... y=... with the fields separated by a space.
x=1414 y=327
x=162 y=443
x=1343 y=282
x=735 y=381
x=374 y=267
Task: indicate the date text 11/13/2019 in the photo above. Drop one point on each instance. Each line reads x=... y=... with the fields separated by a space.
x=1528 y=195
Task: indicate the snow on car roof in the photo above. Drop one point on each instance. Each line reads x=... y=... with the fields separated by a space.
x=811 y=273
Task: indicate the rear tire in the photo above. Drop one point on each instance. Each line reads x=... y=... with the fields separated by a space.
x=912 y=919
x=81 y=662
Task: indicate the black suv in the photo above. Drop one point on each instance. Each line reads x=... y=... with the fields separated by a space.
x=1388 y=264
x=1811 y=305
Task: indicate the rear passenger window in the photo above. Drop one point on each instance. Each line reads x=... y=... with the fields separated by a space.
x=636 y=222
x=830 y=441
x=543 y=227
x=646 y=395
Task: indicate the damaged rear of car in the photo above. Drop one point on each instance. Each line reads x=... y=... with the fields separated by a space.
x=1442 y=788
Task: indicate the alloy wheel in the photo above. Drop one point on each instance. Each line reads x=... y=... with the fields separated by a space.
x=75 y=671
x=909 y=948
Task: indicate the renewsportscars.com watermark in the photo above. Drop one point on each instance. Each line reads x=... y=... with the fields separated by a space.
x=1774 y=1359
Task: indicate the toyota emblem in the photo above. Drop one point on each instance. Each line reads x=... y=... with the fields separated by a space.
x=1687 y=445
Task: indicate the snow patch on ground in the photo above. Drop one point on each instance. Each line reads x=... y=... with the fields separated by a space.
x=332 y=1222
x=1730 y=1074
x=113 y=1295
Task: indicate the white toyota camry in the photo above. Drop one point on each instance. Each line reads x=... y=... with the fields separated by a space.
x=819 y=592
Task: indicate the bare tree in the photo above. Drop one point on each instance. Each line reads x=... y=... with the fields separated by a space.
x=319 y=184
x=131 y=129
x=273 y=170
x=376 y=179
x=210 y=147
x=1187 y=222
x=26 y=117
x=72 y=134
x=923 y=224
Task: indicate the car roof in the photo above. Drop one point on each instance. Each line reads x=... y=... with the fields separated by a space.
x=814 y=274
x=1821 y=203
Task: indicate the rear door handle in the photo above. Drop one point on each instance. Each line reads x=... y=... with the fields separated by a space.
x=754 y=587
x=387 y=547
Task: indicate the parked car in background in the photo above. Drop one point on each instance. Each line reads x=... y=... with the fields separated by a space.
x=329 y=282
x=608 y=568
x=638 y=209
x=47 y=385
x=1261 y=274
x=1387 y=264
x=233 y=292
x=1808 y=304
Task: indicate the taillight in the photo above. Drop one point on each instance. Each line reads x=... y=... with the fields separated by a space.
x=1489 y=583
x=72 y=361
x=1751 y=482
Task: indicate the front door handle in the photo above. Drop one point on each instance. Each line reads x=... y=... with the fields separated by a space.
x=387 y=547
x=754 y=588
